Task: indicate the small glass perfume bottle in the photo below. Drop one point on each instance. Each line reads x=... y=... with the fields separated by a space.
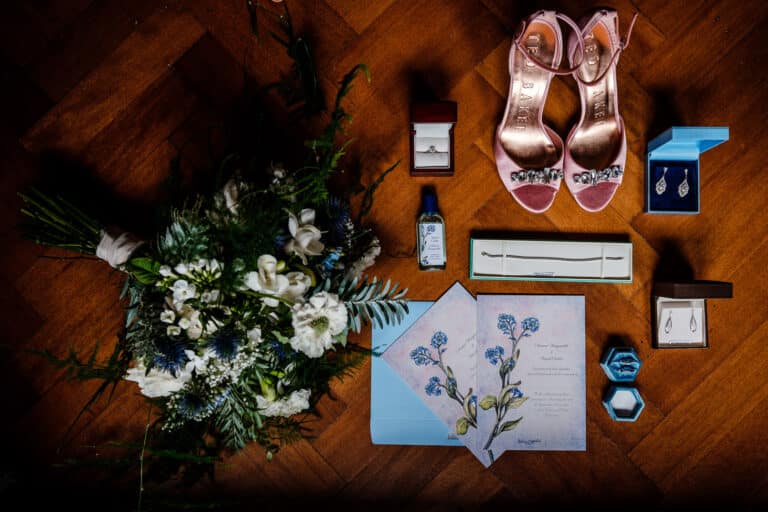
x=430 y=234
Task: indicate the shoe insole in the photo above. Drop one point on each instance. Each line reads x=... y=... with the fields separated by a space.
x=523 y=136
x=596 y=141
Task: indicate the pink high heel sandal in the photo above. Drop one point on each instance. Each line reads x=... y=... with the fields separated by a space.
x=529 y=154
x=596 y=148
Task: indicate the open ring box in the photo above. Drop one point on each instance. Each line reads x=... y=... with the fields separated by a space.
x=680 y=312
x=432 y=124
x=673 y=177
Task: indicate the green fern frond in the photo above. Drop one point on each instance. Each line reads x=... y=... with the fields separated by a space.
x=378 y=302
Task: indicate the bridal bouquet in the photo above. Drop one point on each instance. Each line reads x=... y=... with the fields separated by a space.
x=238 y=312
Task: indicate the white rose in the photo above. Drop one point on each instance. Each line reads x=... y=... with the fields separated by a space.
x=306 y=237
x=298 y=284
x=293 y=404
x=158 y=383
x=267 y=280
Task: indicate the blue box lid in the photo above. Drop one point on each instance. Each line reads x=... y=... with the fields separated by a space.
x=686 y=141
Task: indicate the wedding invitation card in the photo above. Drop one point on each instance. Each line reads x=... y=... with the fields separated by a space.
x=503 y=372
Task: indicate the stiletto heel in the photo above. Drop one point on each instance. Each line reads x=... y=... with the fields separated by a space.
x=596 y=148
x=529 y=154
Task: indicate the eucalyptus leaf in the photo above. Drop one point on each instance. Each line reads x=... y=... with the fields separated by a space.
x=510 y=425
x=516 y=402
x=488 y=402
x=462 y=425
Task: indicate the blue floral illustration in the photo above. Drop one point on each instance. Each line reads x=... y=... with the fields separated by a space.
x=510 y=396
x=494 y=355
x=530 y=324
x=506 y=324
x=439 y=339
x=433 y=387
x=422 y=356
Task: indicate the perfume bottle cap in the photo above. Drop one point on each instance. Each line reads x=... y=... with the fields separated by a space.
x=429 y=202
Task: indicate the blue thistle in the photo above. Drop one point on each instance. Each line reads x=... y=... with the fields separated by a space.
x=494 y=355
x=225 y=344
x=530 y=324
x=192 y=406
x=421 y=356
x=278 y=349
x=170 y=357
x=506 y=323
x=338 y=220
x=439 y=339
x=433 y=387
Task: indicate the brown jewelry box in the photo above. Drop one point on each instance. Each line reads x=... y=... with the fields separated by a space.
x=666 y=293
x=432 y=116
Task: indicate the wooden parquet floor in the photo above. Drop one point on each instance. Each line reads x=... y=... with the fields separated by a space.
x=120 y=88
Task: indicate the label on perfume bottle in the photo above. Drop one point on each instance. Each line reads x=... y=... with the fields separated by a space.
x=431 y=244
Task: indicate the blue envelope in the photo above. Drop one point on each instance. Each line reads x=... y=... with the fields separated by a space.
x=398 y=415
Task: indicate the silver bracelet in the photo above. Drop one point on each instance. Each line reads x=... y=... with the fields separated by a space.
x=553 y=258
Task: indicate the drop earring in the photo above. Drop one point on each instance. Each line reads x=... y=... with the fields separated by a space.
x=694 y=326
x=668 y=325
x=682 y=189
x=661 y=185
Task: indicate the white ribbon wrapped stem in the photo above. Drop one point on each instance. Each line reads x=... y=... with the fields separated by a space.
x=117 y=249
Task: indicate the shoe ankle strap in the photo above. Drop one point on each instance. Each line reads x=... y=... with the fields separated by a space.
x=623 y=43
x=536 y=61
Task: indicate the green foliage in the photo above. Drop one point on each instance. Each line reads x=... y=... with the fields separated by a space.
x=367 y=202
x=145 y=270
x=187 y=238
x=56 y=222
x=376 y=301
x=312 y=183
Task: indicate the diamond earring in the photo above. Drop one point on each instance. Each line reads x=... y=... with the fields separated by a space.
x=682 y=189
x=661 y=185
x=668 y=325
x=693 y=322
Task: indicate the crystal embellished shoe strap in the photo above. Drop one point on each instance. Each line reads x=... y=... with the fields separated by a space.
x=594 y=176
x=545 y=175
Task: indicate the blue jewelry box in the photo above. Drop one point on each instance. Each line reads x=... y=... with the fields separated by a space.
x=673 y=174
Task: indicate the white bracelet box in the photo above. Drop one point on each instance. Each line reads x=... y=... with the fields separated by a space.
x=528 y=259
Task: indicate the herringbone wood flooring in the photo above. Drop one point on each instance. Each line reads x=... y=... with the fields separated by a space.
x=120 y=88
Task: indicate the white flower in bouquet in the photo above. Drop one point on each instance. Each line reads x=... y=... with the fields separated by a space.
x=254 y=336
x=316 y=322
x=298 y=284
x=306 y=237
x=158 y=383
x=267 y=280
x=230 y=193
x=183 y=290
x=367 y=259
x=286 y=407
